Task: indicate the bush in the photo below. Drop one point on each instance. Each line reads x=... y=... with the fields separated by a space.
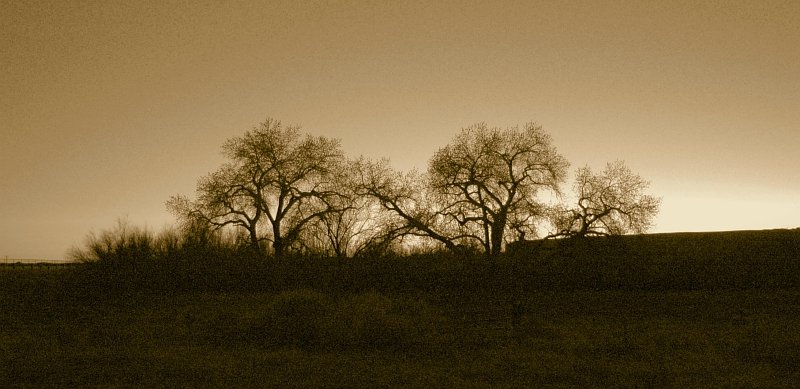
x=311 y=320
x=372 y=320
x=123 y=245
x=295 y=318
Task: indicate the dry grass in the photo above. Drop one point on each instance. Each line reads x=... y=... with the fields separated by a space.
x=669 y=310
x=581 y=338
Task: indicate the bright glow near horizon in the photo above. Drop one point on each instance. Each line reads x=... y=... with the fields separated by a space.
x=108 y=108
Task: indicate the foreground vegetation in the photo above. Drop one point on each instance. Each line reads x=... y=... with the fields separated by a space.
x=638 y=311
x=579 y=338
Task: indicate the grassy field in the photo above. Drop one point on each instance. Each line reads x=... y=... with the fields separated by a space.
x=408 y=322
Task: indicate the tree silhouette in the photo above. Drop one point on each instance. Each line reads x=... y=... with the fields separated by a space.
x=489 y=176
x=354 y=225
x=275 y=174
x=224 y=197
x=406 y=197
x=611 y=202
x=483 y=190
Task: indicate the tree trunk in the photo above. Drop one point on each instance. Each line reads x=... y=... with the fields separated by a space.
x=254 y=239
x=498 y=230
x=497 y=240
x=278 y=246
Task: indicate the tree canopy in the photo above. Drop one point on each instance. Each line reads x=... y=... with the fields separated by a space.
x=487 y=176
x=273 y=173
x=489 y=186
x=611 y=202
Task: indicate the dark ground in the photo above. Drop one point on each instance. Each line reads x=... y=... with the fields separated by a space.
x=605 y=315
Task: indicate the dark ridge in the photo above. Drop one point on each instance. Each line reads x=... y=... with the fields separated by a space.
x=766 y=244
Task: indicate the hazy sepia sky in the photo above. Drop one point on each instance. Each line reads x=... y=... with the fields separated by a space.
x=108 y=108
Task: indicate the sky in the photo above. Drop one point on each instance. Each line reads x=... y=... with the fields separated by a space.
x=108 y=108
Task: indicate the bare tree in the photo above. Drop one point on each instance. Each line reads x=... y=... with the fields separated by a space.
x=225 y=197
x=485 y=183
x=612 y=202
x=274 y=173
x=489 y=176
x=351 y=223
x=406 y=197
x=356 y=227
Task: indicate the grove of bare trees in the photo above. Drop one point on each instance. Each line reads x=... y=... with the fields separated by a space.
x=286 y=191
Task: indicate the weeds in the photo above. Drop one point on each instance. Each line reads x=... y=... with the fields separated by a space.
x=192 y=308
x=314 y=321
x=569 y=338
x=374 y=321
x=128 y=260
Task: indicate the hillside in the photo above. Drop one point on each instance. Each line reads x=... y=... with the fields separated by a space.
x=696 y=260
x=731 y=245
